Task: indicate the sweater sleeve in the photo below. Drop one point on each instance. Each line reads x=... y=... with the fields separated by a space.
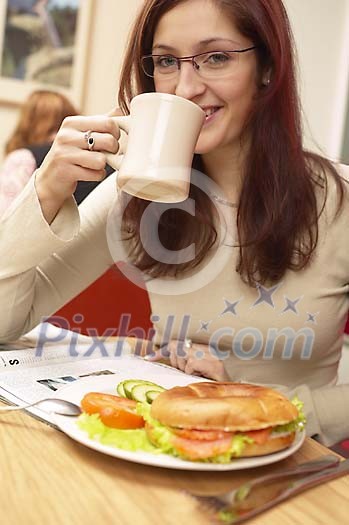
x=44 y=266
x=326 y=410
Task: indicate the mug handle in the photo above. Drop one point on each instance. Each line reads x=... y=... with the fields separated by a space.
x=115 y=159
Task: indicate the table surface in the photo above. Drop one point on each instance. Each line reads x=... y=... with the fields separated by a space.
x=47 y=478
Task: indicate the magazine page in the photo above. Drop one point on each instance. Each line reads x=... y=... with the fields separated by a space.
x=47 y=357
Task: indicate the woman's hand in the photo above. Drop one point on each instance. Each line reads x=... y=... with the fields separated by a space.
x=195 y=359
x=70 y=159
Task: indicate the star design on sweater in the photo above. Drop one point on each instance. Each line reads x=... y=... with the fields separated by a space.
x=291 y=305
x=230 y=307
x=204 y=326
x=311 y=318
x=265 y=295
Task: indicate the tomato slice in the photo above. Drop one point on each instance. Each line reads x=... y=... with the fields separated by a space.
x=94 y=402
x=201 y=435
x=121 y=418
x=259 y=436
x=114 y=411
x=196 y=449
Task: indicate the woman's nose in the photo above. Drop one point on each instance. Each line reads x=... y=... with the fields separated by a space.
x=189 y=83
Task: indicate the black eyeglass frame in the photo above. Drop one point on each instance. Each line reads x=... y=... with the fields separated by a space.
x=191 y=58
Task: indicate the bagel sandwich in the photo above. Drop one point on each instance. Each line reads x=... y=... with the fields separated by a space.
x=217 y=421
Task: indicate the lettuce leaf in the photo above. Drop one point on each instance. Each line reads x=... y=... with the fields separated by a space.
x=132 y=440
x=161 y=433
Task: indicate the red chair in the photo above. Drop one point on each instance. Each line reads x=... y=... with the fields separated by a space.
x=346 y=329
x=110 y=306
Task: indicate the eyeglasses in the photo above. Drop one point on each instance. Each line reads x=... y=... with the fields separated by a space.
x=207 y=65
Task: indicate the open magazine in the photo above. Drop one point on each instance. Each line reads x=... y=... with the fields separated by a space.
x=47 y=358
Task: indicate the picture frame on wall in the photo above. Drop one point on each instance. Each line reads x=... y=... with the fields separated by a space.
x=43 y=45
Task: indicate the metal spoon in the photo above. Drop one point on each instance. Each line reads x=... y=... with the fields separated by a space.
x=57 y=406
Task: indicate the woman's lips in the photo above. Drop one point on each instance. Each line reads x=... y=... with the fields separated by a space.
x=211 y=115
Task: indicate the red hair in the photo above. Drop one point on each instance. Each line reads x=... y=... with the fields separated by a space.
x=40 y=117
x=278 y=208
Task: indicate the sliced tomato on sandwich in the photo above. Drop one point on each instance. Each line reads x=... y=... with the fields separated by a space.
x=197 y=444
x=201 y=435
x=200 y=449
x=259 y=436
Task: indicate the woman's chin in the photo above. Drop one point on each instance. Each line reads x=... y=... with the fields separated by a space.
x=209 y=141
x=203 y=147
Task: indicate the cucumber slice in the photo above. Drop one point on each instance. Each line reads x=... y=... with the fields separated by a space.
x=126 y=389
x=140 y=391
x=120 y=389
x=152 y=394
x=129 y=384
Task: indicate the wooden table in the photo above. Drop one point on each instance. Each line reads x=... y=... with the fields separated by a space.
x=46 y=478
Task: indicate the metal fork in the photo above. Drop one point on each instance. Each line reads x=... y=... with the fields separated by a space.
x=262 y=493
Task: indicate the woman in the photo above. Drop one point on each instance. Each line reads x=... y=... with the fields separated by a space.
x=271 y=313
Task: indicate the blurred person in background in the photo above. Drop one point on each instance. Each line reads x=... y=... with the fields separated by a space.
x=40 y=118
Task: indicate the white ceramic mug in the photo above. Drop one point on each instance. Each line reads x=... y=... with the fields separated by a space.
x=162 y=133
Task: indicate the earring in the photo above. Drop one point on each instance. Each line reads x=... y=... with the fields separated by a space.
x=266 y=81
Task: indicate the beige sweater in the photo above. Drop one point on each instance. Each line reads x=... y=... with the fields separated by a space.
x=289 y=334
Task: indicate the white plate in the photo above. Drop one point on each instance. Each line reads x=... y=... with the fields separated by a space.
x=133 y=368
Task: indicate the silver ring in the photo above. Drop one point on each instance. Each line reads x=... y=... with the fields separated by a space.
x=188 y=343
x=89 y=140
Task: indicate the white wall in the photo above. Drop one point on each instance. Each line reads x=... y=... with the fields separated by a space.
x=112 y=21
x=321 y=29
x=322 y=33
